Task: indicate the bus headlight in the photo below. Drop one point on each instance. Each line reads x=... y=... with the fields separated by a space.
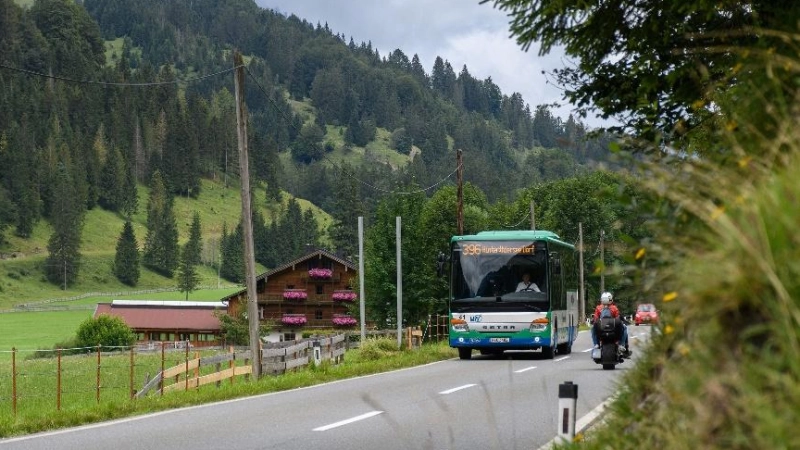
x=459 y=324
x=539 y=325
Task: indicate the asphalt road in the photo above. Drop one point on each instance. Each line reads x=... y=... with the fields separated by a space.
x=507 y=402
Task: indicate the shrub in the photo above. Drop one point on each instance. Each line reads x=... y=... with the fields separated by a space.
x=104 y=330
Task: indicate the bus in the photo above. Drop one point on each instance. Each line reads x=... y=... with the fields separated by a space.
x=487 y=311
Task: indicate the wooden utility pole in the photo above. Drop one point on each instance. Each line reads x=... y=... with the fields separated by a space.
x=533 y=215
x=247 y=217
x=460 y=193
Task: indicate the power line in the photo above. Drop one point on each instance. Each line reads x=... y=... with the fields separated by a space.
x=269 y=98
x=110 y=83
x=337 y=166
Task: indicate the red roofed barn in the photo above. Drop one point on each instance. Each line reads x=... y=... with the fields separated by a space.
x=157 y=321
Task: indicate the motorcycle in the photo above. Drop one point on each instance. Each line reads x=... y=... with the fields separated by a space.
x=609 y=333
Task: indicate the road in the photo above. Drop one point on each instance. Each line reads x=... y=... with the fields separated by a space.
x=507 y=402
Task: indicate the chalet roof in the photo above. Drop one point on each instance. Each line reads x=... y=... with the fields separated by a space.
x=164 y=315
x=316 y=253
x=306 y=257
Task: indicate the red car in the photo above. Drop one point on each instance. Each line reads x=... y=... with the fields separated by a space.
x=645 y=313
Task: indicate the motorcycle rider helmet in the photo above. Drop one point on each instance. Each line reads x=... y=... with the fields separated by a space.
x=606 y=298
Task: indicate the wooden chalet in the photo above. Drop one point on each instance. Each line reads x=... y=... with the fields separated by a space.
x=175 y=321
x=313 y=291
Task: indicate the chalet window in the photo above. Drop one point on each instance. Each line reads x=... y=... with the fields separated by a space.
x=323 y=263
x=318 y=314
x=288 y=336
x=289 y=286
x=320 y=289
x=289 y=311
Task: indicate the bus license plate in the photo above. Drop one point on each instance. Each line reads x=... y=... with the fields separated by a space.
x=499 y=340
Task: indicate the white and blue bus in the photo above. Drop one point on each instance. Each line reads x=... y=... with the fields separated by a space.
x=489 y=309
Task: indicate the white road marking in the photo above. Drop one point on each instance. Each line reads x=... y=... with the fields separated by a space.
x=561 y=359
x=525 y=369
x=347 y=421
x=450 y=391
x=587 y=350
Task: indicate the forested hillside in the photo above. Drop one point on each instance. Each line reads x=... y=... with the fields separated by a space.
x=100 y=98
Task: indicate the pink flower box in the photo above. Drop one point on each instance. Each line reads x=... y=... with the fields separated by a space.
x=320 y=273
x=295 y=294
x=344 y=296
x=293 y=319
x=343 y=320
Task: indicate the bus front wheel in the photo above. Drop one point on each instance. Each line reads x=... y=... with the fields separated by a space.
x=464 y=353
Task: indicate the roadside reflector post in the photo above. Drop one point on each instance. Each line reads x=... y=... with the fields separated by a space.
x=317 y=352
x=567 y=401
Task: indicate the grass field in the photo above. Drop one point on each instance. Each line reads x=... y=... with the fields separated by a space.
x=34 y=330
x=37 y=390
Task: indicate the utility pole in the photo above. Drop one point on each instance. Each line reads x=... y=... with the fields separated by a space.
x=361 y=305
x=602 y=261
x=581 y=290
x=460 y=193
x=399 y=283
x=247 y=218
x=533 y=215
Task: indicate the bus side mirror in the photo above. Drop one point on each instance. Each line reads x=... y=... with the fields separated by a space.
x=555 y=261
x=440 y=260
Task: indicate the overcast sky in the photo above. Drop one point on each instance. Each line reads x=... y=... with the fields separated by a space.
x=463 y=32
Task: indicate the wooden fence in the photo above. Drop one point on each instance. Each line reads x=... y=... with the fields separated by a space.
x=278 y=358
x=46 y=376
x=190 y=371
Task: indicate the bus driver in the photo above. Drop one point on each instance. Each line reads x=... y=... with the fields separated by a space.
x=526 y=284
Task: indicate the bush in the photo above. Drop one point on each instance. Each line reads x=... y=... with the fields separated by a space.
x=105 y=330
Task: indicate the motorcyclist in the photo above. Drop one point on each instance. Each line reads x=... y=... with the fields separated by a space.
x=607 y=301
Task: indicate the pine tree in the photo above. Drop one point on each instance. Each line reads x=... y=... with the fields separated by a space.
x=126 y=260
x=188 y=278
x=63 y=262
x=348 y=207
x=129 y=196
x=161 y=242
x=233 y=256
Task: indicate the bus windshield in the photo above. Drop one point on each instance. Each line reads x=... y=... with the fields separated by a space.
x=494 y=271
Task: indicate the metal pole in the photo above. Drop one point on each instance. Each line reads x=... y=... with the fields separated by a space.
x=97 y=394
x=161 y=382
x=567 y=400
x=362 y=307
x=602 y=261
x=459 y=193
x=581 y=291
x=14 y=380
x=58 y=383
x=133 y=391
x=399 y=285
x=247 y=217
